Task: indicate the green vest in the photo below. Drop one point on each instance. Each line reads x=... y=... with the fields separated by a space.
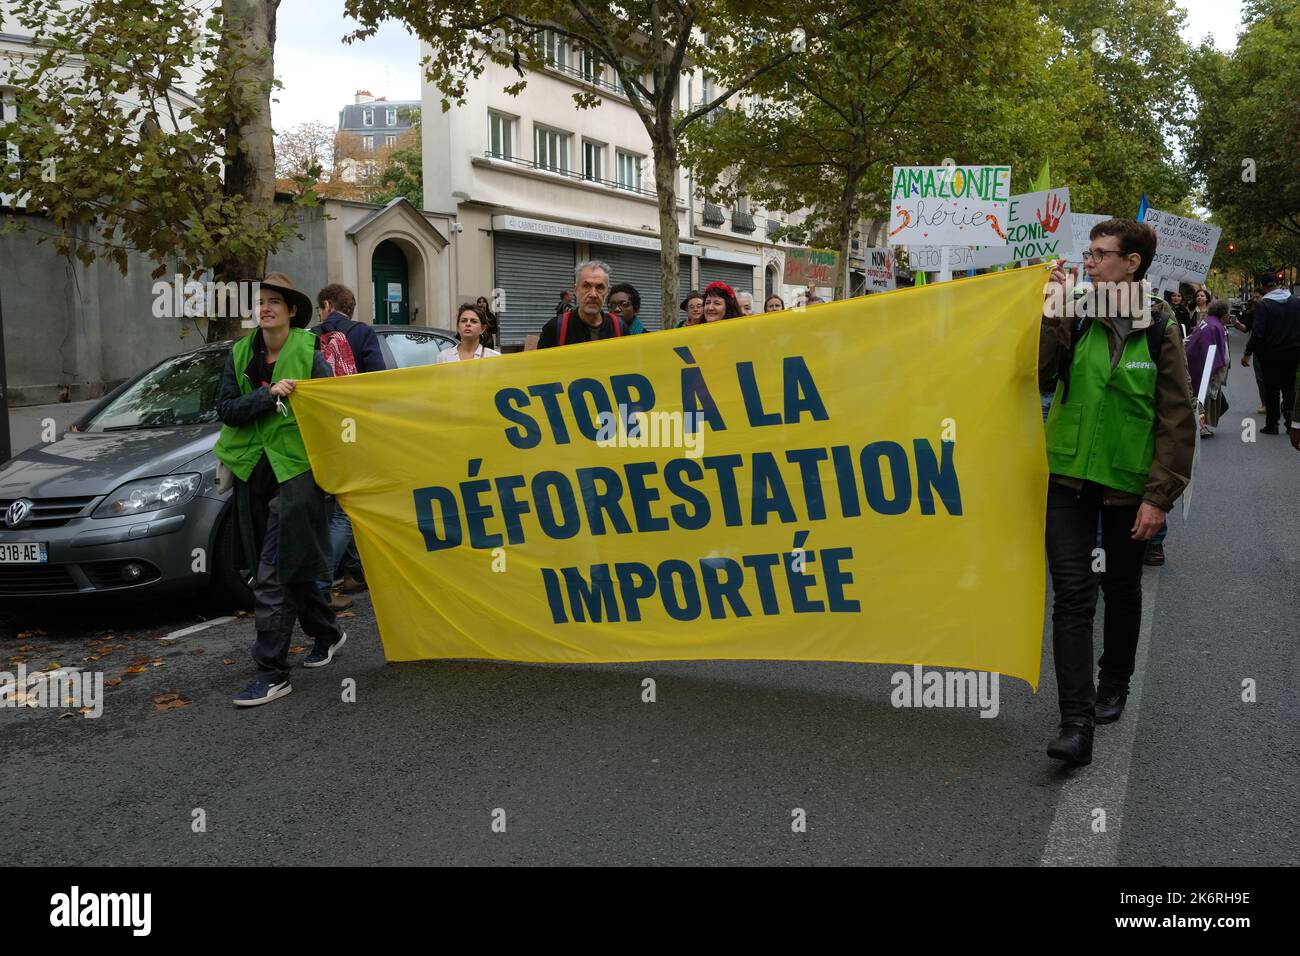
x=274 y=435
x=1106 y=432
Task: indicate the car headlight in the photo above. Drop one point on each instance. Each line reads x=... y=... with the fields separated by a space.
x=149 y=494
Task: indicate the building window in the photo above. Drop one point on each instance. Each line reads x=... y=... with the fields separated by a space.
x=593 y=161
x=8 y=114
x=590 y=66
x=367 y=143
x=550 y=149
x=556 y=49
x=741 y=220
x=367 y=117
x=390 y=117
x=629 y=170
x=390 y=139
x=501 y=135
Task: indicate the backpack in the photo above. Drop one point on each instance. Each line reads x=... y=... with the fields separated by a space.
x=564 y=327
x=1155 y=334
x=337 y=351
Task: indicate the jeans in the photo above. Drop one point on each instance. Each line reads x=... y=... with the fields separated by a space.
x=341 y=544
x=1071 y=535
x=276 y=606
x=1046 y=398
x=1279 y=379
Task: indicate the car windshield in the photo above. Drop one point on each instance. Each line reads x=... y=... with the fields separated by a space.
x=180 y=391
x=416 y=348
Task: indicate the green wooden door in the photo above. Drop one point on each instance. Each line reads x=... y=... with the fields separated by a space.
x=392 y=288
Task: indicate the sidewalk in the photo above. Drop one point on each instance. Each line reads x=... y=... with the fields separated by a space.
x=27 y=422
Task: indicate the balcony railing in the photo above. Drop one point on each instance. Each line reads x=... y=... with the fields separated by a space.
x=741 y=221
x=713 y=215
x=568 y=174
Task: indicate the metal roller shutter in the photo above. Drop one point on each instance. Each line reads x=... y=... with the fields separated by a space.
x=639 y=268
x=739 y=277
x=530 y=271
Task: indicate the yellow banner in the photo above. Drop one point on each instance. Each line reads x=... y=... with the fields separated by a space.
x=856 y=481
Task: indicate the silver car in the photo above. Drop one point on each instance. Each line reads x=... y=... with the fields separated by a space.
x=126 y=502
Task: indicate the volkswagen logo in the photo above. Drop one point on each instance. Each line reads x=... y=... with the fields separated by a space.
x=17 y=512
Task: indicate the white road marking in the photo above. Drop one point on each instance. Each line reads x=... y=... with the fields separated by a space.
x=1103 y=784
x=186 y=631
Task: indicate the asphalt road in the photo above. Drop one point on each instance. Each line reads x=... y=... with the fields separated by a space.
x=712 y=771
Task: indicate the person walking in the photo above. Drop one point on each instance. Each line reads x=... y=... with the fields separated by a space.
x=588 y=322
x=470 y=326
x=490 y=327
x=625 y=302
x=1181 y=313
x=1247 y=325
x=281 y=514
x=349 y=348
x=1120 y=439
x=1275 y=342
x=1211 y=332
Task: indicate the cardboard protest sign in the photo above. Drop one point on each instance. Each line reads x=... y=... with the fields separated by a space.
x=879 y=265
x=949 y=205
x=1081 y=224
x=1184 y=247
x=1038 y=226
x=815 y=266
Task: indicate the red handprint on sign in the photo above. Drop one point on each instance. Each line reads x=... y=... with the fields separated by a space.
x=1052 y=218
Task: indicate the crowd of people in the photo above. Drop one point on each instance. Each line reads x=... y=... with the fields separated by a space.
x=1120 y=415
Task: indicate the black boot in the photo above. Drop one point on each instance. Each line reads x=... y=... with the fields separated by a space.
x=1074 y=745
x=1110 y=704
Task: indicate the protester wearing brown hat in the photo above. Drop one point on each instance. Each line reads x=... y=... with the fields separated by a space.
x=281 y=515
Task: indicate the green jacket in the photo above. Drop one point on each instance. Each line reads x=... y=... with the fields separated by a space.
x=242 y=444
x=1106 y=432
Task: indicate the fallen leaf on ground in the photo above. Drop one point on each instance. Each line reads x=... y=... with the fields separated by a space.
x=297 y=649
x=346 y=614
x=166 y=643
x=112 y=682
x=169 y=702
x=68 y=714
x=227 y=661
x=136 y=669
x=165 y=698
x=52 y=666
x=34 y=632
x=196 y=652
x=92 y=657
x=25 y=647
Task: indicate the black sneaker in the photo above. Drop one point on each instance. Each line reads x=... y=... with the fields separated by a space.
x=322 y=655
x=1269 y=430
x=1110 y=704
x=1073 y=745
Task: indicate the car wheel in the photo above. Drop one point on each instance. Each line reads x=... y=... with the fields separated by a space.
x=227 y=589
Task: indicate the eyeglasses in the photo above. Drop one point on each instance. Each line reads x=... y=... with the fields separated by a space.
x=1099 y=254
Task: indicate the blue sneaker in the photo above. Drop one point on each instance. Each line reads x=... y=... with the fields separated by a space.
x=261 y=692
x=320 y=656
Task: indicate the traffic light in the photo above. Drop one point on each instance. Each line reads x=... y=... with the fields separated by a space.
x=1232 y=248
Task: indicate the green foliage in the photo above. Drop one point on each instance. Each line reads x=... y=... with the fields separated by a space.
x=403 y=173
x=1246 y=137
x=102 y=97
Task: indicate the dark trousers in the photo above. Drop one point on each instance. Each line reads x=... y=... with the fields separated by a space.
x=1258 y=368
x=1279 y=380
x=277 y=606
x=1071 y=537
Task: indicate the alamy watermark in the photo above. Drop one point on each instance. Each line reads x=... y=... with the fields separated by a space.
x=190 y=299
x=54 y=689
x=654 y=429
x=923 y=688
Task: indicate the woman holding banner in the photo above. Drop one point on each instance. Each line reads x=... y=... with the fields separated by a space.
x=720 y=302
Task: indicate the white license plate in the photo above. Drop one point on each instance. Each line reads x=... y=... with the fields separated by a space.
x=24 y=552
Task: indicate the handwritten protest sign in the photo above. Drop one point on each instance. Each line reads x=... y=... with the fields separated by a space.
x=1184 y=247
x=1037 y=226
x=879 y=265
x=730 y=490
x=949 y=205
x=815 y=266
x=1081 y=224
